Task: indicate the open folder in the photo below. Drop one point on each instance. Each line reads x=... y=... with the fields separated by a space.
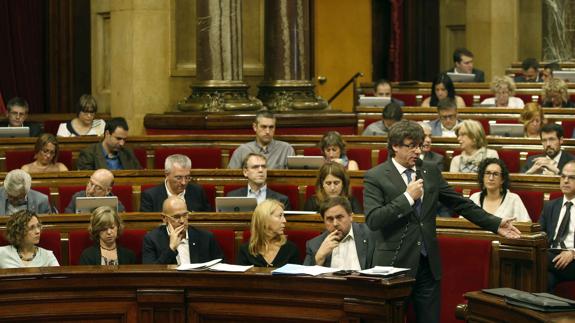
x=213 y=265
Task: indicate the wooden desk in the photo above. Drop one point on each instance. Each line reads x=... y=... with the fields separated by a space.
x=484 y=308
x=161 y=294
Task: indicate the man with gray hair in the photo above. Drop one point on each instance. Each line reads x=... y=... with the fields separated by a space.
x=16 y=195
x=99 y=185
x=177 y=183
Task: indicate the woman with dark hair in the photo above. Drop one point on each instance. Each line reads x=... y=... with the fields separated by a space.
x=23 y=231
x=495 y=197
x=332 y=180
x=333 y=149
x=46 y=156
x=84 y=124
x=268 y=245
x=105 y=228
x=442 y=88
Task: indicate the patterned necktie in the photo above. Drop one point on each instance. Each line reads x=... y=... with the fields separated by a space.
x=564 y=227
x=408 y=173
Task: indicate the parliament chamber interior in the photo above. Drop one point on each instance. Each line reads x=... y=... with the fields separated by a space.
x=191 y=78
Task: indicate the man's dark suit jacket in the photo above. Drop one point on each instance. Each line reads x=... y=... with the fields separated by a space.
x=156 y=247
x=270 y=194
x=364 y=244
x=565 y=157
x=434 y=158
x=92 y=157
x=35 y=129
x=549 y=218
x=153 y=199
x=401 y=231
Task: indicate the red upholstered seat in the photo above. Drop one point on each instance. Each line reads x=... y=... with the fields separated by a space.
x=555 y=195
x=230 y=187
x=465 y=267
x=312 y=151
x=205 y=157
x=568 y=126
x=80 y=240
x=309 y=191
x=485 y=125
x=226 y=240
x=42 y=189
x=369 y=121
x=382 y=155
x=565 y=289
x=511 y=159
x=291 y=191
x=533 y=153
x=15 y=159
x=49 y=239
x=533 y=202
x=66 y=193
x=124 y=194
x=357 y=192
x=299 y=237
x=142 y=157
x=51 y=126
x=468 y=98
x=362 y=156
x=408 y=99
x=210 y=190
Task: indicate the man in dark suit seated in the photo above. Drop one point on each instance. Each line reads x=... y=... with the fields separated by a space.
x=401 y=200
x=558 y=221
x=99 y=185
x=344 y=244
x=255 y=170
x=463 y=61
x=554 y=158
x=529 y=71
x=177 y=183
x=110 y=153
x=176 y=242
x=17 y=114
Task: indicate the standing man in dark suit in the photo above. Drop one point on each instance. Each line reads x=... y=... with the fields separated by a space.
x=401 y=202
x=554 y=158
x=176 y=242
x=463 y=61
x=110 y=153
x=177 y=183
x=558 y=221
x=16 y=115
x=255 y=170
x=344 y=244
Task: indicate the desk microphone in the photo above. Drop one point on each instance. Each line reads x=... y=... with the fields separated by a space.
x=418 y=164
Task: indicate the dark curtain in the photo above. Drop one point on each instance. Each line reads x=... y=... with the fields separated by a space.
x=396 y=51
x=22 y=51
x=420 y=39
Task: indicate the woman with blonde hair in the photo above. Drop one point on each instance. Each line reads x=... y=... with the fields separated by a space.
x=46 y=156
x=105 y=228
x=473 y=145
x=332 y=147
x=23 y=230
x=504 y=88
x=532 y=118
x=555 y=94
x=268 y=245
x=332 y=180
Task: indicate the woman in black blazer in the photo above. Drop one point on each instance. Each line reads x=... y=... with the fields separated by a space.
x=105 y=228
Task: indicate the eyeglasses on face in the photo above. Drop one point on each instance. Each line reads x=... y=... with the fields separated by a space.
x=186 y=178
x=568 y=177
x=489 y=174
x=35 y=226
x=178 y=217
x=412 y=146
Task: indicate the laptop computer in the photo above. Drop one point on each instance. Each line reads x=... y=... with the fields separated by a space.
x=236 y=204
x=374 y=101
x=88 y=204
x=12 y=132
x=506 y=130
x=305 y=162
x=568 y=76
x=461 y=77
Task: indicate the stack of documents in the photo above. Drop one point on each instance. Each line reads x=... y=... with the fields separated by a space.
x=291 y=269
x=214 y=265
x=384 y=271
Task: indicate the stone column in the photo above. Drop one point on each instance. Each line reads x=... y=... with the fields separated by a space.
x=219 y=85
x=287 y=85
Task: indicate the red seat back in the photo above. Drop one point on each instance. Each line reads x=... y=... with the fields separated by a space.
x=66 y=193
x=142 y=157
x=369 y=121
x=231 y=187
x=291 y=191
x=362 y=156
x=226 y=241
x=15 y=159
x=312 y=151
x=51 y=126
x=382 y=155
x=565 y=289
x=133 y=239
x=568 y=126
x=42 y=189
x=357 y=192
x=124 y=194
x=204 y=157
x=49 y=239
x=555 y=195
x=309 y=191
x=78 y=241
x=458 y=256
x=511 y=159
x=210 y=190
x=298 y=237
x=533 y=202
x=408 y=99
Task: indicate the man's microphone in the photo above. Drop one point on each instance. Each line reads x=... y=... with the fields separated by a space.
x=418 y=164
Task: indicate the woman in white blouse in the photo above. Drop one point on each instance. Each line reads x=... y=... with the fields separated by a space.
x=23 y=231
x=504 y=88
x=85 y=123
x=495 y=197
x=473 y=145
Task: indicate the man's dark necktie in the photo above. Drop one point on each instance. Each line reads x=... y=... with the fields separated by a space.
x=417 y=206
x=563 y=228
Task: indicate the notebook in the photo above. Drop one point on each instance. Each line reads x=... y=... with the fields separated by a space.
x=506 y=130
x=461 y=77
x=374 y=101
x=88 y=204
x=305 y=162
x=236 y=204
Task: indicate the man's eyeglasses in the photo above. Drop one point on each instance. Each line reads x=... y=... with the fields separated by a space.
x=448 y=117
x=568 y=177
x=412 y=146
x=180 y=178
x=494 y=174
x=18 y=114
x=177 y=217
x=89 y=111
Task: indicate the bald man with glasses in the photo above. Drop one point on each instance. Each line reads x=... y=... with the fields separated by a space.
x=177 y=183
x=175 y=242
x=99 y=185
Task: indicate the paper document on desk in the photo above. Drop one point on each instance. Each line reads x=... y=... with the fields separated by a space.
x=291 y=269
x=384 y=271
x=199 y=266
x=230 y=268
